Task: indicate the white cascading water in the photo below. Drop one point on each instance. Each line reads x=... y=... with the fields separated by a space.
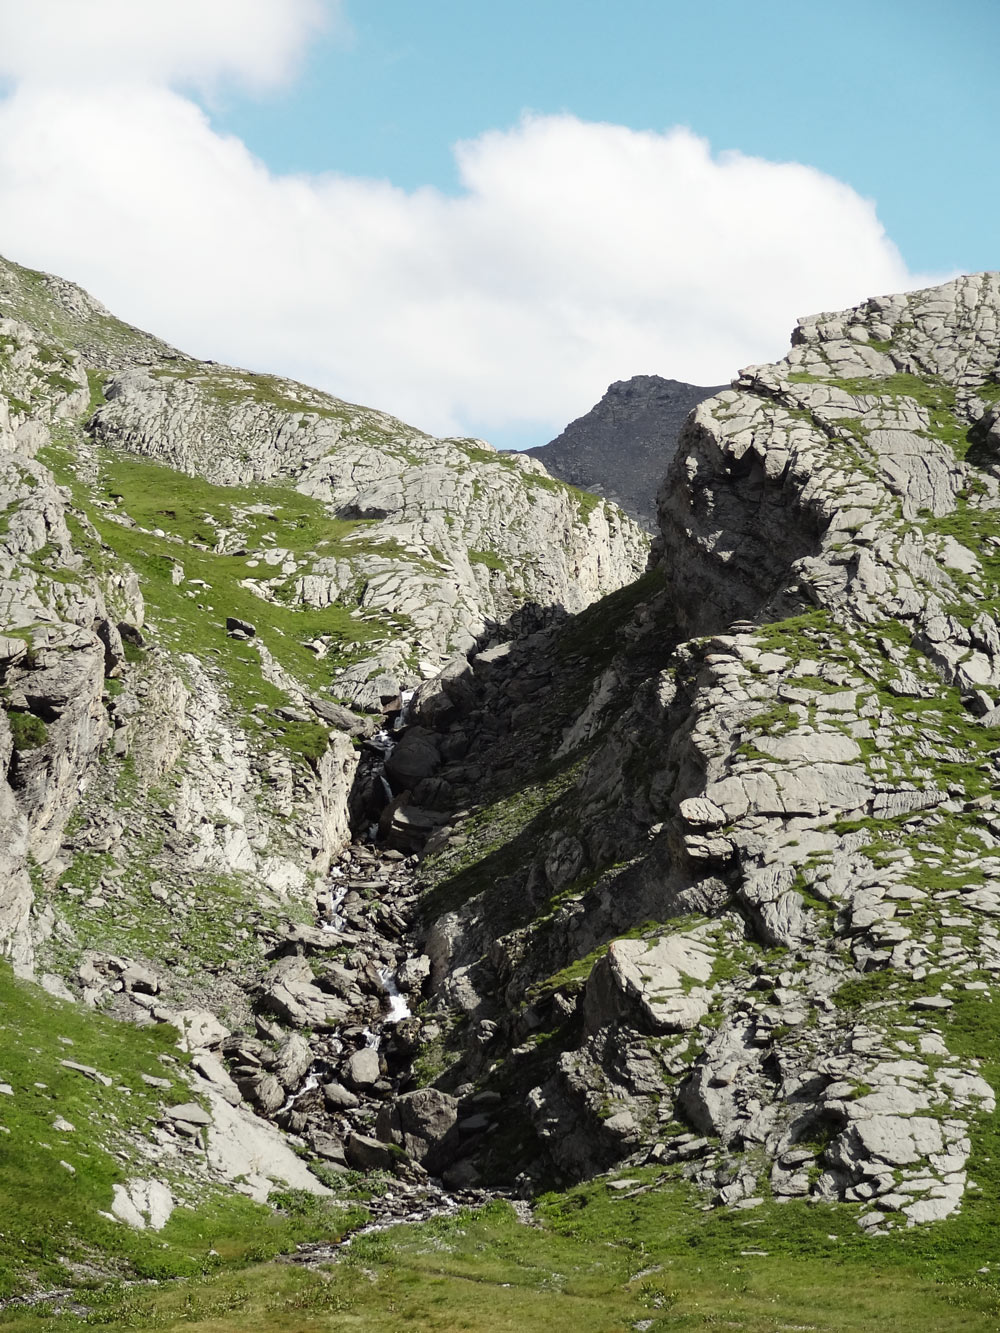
x=398 y=1007
x=312 y=1081
x=334 y=919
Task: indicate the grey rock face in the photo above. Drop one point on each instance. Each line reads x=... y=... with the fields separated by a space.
x=777 y=770
x=451 y=538
x=725 y=842
x=460 y=535
x=192 y=675
x=622 y=447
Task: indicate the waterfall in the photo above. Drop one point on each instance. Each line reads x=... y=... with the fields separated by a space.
x=398 y=1006
x=312 y=1081
x=334 y=919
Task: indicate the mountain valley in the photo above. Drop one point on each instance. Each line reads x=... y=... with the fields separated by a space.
x=391 y=833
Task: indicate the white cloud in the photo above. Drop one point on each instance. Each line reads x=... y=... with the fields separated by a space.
x=574 y=254
x=129 y=41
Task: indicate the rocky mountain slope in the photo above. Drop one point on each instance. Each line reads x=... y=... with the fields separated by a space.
x=216 y=590
x=622 y=447
x=744 y=918
x=413 y=828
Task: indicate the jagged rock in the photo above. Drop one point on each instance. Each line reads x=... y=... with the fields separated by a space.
x=114 y=651
x=409 y=827
x=292 y=714
x=135 y=977
x=411 y=975
x=406 y=483
x=338 y=980
x=264 y=1090
x=294 y=1058
x=749 y=778
x=293 y=997
x=342 y=718
x=300 y=1004
x=210 y=1067
x=656 y=979
x=199 y=1028
x=330 y=1148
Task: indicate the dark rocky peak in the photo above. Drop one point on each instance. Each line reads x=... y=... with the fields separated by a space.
x=622 y=447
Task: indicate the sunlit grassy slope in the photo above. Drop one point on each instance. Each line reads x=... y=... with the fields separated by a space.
x=601 y=1261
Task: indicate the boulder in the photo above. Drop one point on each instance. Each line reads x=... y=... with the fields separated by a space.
x=416 y=756
x=135 y=977
x=411 y=974
x=190 y=1113
x=424 y=1124
x=294 y=1059
x=329 y=1147
x=211 y=1068
x=362 y=1069
x=339 y=1098
x=659 y=982
x=302 y=1004
x=199 y=1029
x=264 y=1090
x=367 y=1154
x=142 y=1204
x=336 y=715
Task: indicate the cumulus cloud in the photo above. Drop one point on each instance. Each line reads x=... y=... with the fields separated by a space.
x=129 y=41
x=573 y=253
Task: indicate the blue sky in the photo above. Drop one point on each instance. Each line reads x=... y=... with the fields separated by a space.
x=477 y=215
x=898 y=98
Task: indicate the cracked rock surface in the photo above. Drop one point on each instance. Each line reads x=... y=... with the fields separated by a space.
x=777 y=929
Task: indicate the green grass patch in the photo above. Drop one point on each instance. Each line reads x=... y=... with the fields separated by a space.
x=52 y=1229
x=597 y=1261
x=27 y=731
x=190 y=586
x=499 y=838
x=595 y=633
x=488 y=558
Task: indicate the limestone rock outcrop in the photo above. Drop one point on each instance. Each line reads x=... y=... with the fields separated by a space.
x=456 y=537
x=785 y=756
x=218 y=593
